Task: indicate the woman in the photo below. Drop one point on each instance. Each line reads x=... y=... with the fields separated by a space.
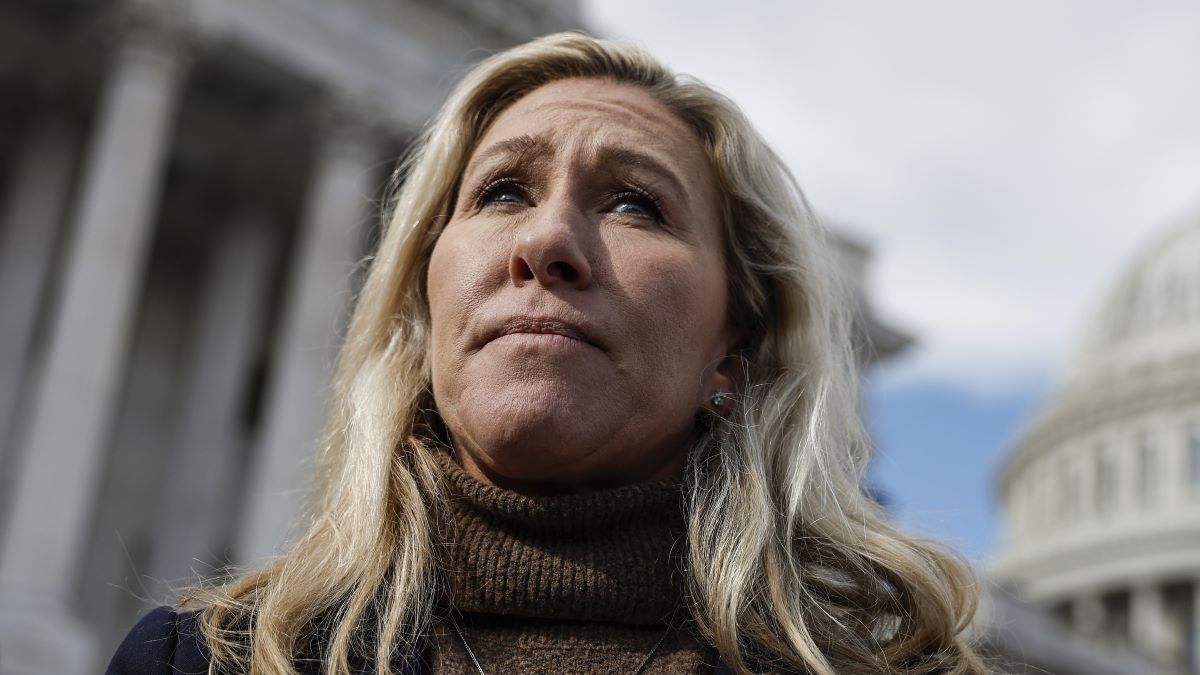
x=596 y=411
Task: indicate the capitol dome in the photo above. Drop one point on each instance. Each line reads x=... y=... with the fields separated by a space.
x=1151 y=318
x=1101 y=497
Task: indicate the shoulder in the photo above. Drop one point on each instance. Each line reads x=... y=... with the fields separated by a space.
x=164 y=641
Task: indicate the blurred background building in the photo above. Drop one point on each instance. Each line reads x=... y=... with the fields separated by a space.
x=1102 y=496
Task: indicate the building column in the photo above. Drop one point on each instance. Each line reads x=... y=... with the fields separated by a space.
x=1193 y=640
x=1147 y=619
x=70 y=409
x=316 y=306
x=29 y=226
x=202 y=483
x=1088 y=616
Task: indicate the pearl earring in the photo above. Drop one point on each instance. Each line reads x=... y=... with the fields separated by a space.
x=719 y=399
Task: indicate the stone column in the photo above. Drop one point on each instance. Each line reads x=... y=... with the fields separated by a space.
x=1147 y=619
x=1195 y=637
x=1088 y=616
x=29 y=225
x=316 y=306
x=1085 y=470
x=70 y=410
x=201 y=486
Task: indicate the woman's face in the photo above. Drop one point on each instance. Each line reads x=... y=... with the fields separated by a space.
x=578 y=293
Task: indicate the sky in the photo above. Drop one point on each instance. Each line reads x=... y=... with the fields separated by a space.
x=1003 y=161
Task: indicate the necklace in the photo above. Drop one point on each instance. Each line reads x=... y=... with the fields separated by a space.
x=480 y=670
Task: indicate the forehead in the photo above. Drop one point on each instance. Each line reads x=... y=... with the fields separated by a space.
x=596 y=112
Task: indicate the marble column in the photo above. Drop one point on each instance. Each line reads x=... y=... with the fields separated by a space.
x=1147 y=619
x=70 y=409
x=1194 y=641
x=1088 y=616
x=29 y=226
x=200 y=490
x=316 y=307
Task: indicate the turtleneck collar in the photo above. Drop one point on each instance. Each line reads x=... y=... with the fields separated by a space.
x=613 y=555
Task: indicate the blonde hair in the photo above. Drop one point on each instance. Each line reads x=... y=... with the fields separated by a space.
x=791 y=565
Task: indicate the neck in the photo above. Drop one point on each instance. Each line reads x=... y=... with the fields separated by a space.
x=669 y=468
x=603 y=555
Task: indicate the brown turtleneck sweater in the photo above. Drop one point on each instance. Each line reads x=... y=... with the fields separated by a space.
x=576 y=584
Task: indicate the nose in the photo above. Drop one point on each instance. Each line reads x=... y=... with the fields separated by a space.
x=548 y=250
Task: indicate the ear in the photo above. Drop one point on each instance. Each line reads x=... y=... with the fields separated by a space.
x=728 y=374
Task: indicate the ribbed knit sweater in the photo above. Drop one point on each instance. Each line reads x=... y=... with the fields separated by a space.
x=583 y=583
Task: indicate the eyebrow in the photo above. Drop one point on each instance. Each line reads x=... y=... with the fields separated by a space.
x=529 y=149
x=519 y=150
x=614 y=157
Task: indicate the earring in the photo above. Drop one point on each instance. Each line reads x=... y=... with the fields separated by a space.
x=719 y=399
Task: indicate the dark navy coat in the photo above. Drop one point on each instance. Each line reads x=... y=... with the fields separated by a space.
x=165 y=642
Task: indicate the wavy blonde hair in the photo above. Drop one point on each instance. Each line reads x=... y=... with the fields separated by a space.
x=792 y=566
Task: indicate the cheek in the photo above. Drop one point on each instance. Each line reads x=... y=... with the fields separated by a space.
x=465 y=269
x=462 y=269
x=449 y=284
x=442 y=290
x=681 y=300
x=438 y=289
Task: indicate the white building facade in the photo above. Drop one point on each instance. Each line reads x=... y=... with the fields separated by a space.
x=1102 y=497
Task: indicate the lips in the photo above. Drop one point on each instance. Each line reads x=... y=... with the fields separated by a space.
x=543 y=326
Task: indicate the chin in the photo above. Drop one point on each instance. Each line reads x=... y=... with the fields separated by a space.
x=534 y=432
x=538 y=438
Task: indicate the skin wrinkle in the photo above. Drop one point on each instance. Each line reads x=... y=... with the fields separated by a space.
x=520 y=154
x=553 y=418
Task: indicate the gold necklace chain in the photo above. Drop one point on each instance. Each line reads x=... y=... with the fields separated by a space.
x=636 y=671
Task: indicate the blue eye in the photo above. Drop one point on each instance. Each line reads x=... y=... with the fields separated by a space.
x=501 y=192
x=632 y=206
x=637 y=204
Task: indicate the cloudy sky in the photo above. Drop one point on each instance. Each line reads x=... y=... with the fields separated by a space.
x=1002 y=160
